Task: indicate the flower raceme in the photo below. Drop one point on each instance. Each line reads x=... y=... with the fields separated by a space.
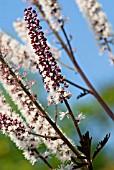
x=52 y=11
x=16 y=52
x=93 y=12
x=51 y=8
x=12 y=125
x=54 y=82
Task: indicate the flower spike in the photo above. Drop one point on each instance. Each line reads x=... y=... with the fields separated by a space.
x=54 y=82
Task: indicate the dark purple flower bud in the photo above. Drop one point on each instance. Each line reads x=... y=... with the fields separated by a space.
x=30 y=8
x=51 y=73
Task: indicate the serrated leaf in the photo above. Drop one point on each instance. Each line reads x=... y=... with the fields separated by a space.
x=100 y=145
x=85 y=147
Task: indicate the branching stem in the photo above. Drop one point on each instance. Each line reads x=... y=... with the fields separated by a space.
x=46 y=136
x=43 y=159
x=56 y=113
x=80 y=87
x=94 y=92
x=67 y=66
x=73 y=119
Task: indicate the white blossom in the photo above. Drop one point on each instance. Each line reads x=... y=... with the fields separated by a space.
x=16 y=52
x=64 y=114
x=98 y=22
x=80 y=117
x=12 y=125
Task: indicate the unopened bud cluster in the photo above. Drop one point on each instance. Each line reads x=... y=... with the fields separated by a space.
x=21 y=29
x=51 y=73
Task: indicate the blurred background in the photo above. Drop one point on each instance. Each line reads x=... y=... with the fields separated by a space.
x=97 y=68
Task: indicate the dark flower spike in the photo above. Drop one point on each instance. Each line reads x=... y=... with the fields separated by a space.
x=100 y=145
x=54 y=82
